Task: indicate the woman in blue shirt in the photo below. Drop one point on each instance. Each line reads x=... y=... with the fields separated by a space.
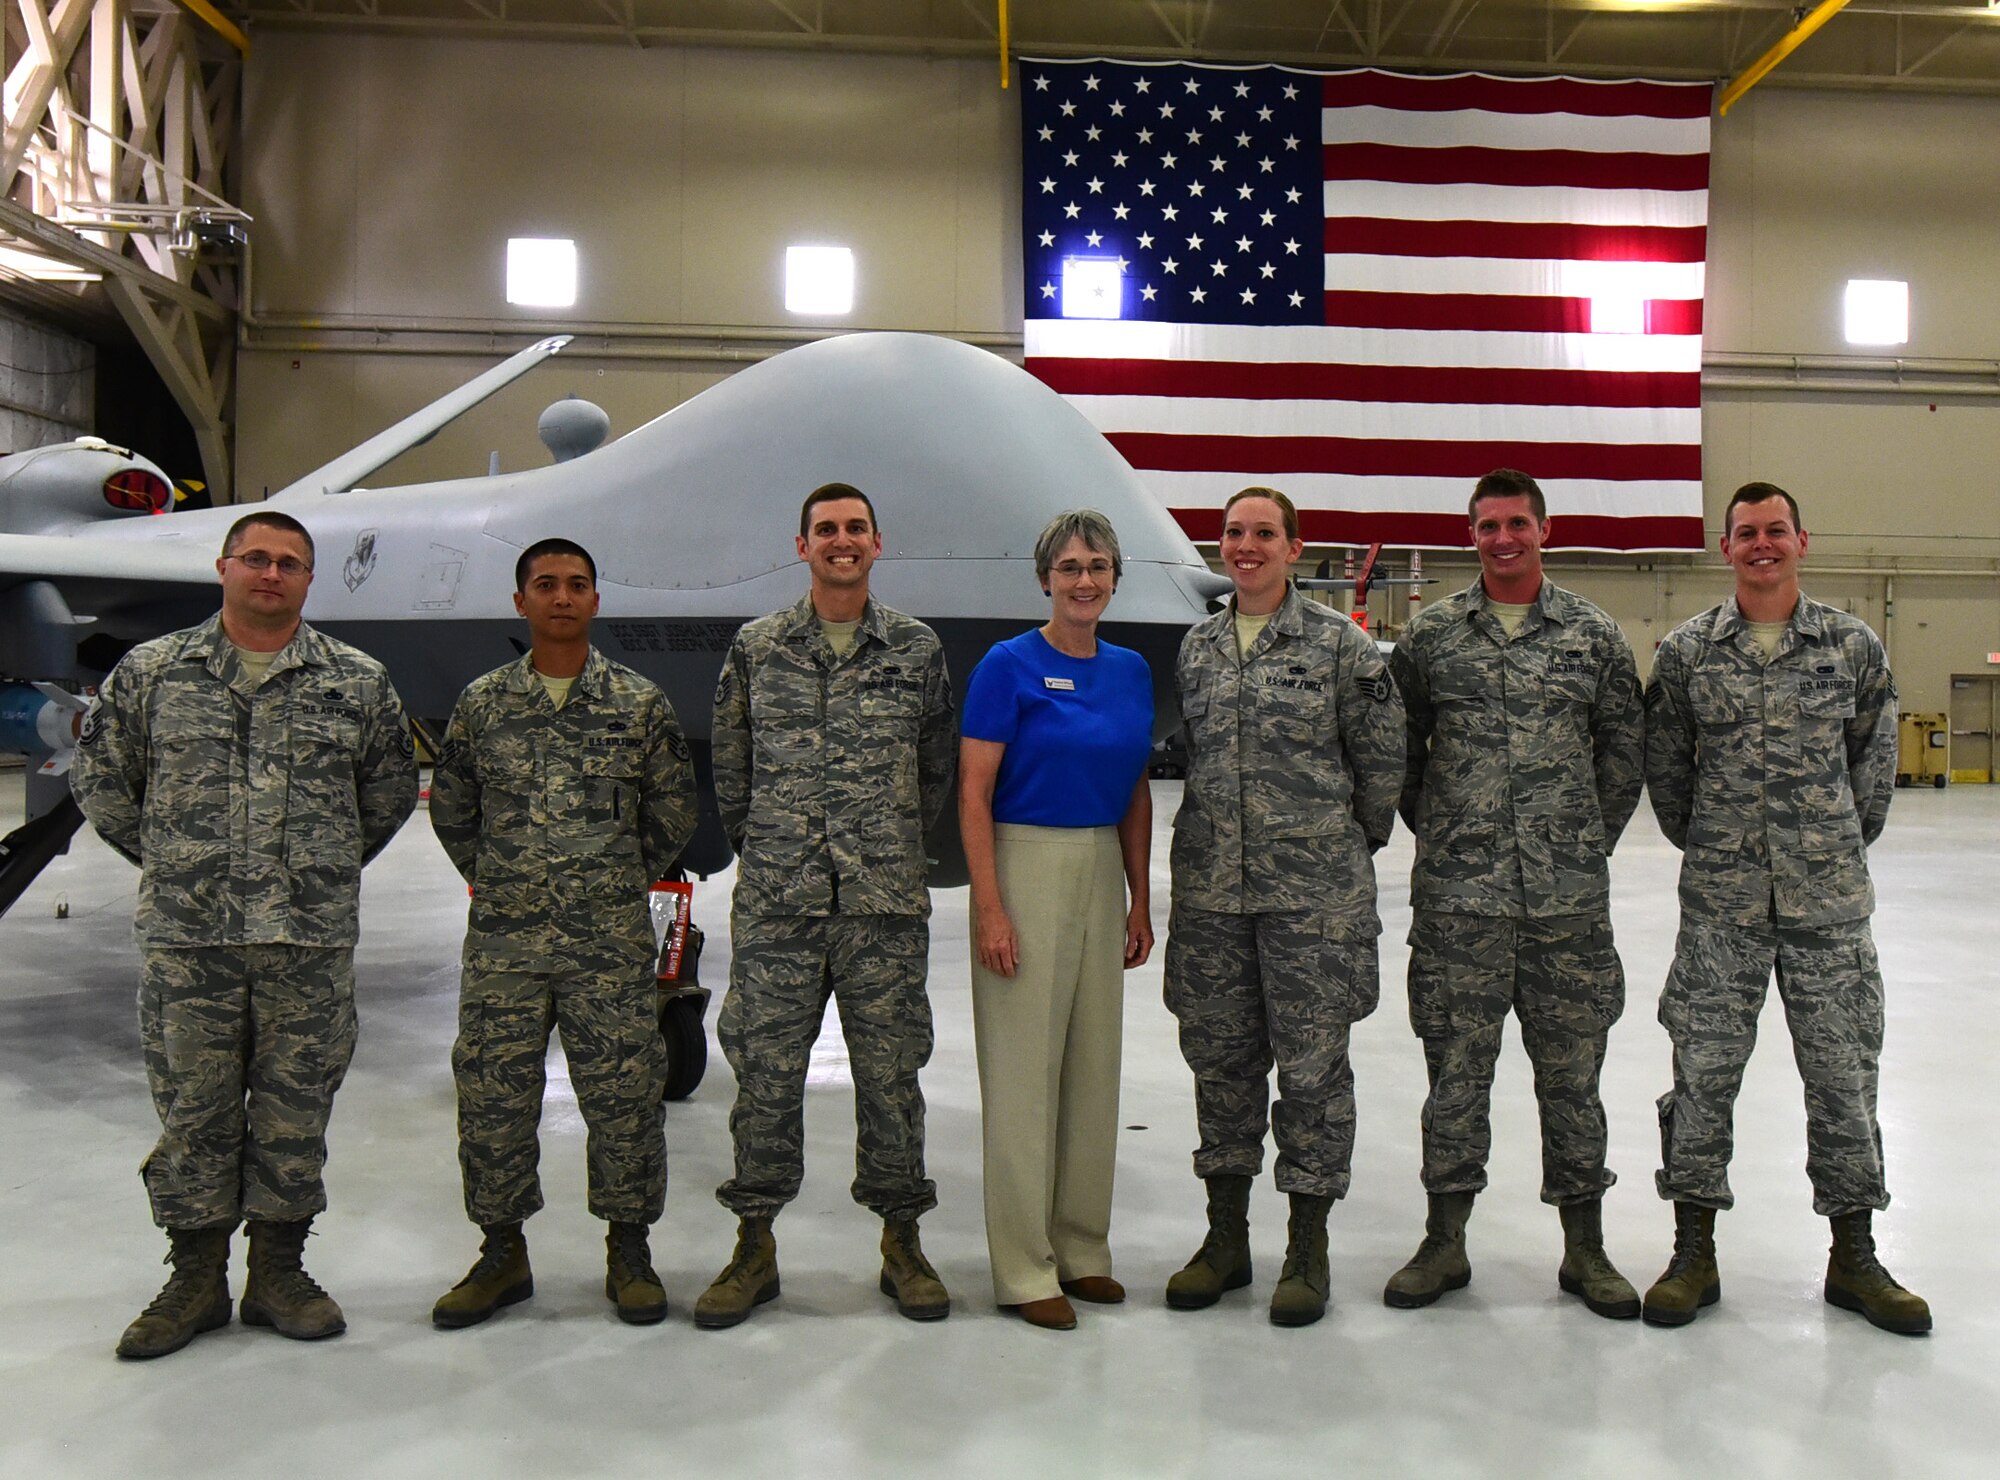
x=1058 y=826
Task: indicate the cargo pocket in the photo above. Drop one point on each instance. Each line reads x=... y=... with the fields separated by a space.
x=1452 y=991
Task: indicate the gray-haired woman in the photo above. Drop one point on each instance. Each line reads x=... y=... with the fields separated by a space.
x=1058 y=822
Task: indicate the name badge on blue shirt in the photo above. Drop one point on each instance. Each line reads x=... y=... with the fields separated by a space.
x=1067 y=685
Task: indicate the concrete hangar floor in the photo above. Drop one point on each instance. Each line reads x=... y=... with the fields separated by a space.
x=1505 y=1378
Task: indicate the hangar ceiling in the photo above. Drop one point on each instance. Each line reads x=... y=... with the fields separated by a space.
x=1952 y=44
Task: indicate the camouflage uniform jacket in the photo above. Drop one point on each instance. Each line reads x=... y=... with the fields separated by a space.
x=560 y=819
x=249 y=811
x=1772 y=778
x=1295 y=758
x=830 y=770
x=1525 y=756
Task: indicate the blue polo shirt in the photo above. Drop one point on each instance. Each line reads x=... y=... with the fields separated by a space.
x=1077 y=730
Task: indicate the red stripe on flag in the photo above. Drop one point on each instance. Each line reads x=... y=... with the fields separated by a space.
x=1495 y=311
x=1448 y=531
x=1386 y=457
x=1477 y=165
x=1515 y=95
x=1560 y=240
x=1418 y=384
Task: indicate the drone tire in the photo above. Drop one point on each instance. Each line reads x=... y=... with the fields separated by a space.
x=687 y=1047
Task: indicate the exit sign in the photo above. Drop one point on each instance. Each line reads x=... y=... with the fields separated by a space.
x=1993 y=658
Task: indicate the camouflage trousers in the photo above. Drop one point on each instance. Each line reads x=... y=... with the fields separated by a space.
x=1831 y=987
x=1562 y=978
x=1251 y=991
x=245 y=1046
x=617 y=1066
x=782 y=970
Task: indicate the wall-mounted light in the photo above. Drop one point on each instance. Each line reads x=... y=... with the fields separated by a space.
x=1093 y=288
x=1878 y=311
x=819 y=280
x=541 y=271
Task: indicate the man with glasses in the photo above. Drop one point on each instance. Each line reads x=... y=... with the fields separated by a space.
x=250 y=766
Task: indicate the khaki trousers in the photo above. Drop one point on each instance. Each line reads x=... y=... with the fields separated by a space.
x=1049 y=1040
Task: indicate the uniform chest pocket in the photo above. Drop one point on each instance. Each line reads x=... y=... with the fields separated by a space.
x=1828 y=702
x=194 y=757
x=891 y=707
x=1562 y=689
x=611 y=761
x=1197 y=706
x=211 y=727
x=1722 y=701
x=786 y=713
x=323 y=734
x=1462 y=683
x=1296 y=708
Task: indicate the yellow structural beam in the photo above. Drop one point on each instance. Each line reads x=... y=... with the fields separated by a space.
x=217 y=22
x=1787 y=44
x=1003 y=45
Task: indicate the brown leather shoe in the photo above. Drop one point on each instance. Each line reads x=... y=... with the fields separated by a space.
x=1052 y=1314
x=1096 y=1289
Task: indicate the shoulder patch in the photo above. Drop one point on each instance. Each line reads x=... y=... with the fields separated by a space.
x=93 y=726
x=677 y=745
x=1378 y=686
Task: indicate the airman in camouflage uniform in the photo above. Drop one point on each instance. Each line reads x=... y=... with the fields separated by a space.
x=1295 y=760
x=1525 y=747
x=560 y=815
x=1770 y=760
x=250 y=766
x=834 y=741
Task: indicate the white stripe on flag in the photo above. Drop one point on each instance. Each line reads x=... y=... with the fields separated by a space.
x=1390 y=421
x=1393 y=200
x=1284 y=343
x=1664 y=499
x=1472 y=128
x=1532 y=277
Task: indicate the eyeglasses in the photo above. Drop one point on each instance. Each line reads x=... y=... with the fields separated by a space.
x=257 y=560
x=1071 y=570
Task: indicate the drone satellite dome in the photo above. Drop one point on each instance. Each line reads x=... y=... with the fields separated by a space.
x=571 y=427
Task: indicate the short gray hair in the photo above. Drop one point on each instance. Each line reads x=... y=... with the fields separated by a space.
x=1077 y=524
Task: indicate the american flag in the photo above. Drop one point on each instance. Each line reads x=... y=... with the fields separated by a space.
x=1366 y=289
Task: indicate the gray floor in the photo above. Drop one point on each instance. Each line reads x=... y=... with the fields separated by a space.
x=1504 y=1378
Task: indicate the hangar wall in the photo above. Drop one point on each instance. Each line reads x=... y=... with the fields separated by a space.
x=47 y=379
x=385 y=174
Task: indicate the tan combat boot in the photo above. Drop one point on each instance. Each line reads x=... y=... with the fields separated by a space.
x=1587 y=1270
x=500 y=1277
x=1856 y=1280
x=1691 y=1279
x=1439 y=1263
x=749 y=1279
x=908 y=1276
x=629 y=1281
x=194 y=1299
x=1223 y=1260
x=279 y=1293
x=1300 y=1298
